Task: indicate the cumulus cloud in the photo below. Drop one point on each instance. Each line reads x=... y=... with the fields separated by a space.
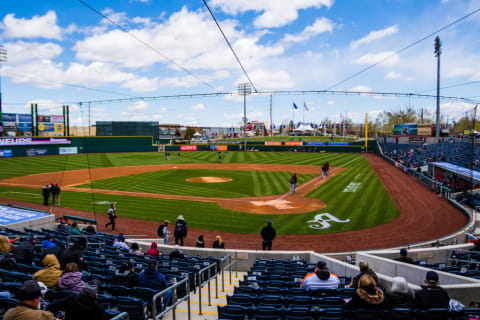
x=198 y=107
x=371 y=58
x=37 y=27
x=274 y=13
x=460 y=72
x=320 y=25
x=374 y=35
x=361 y=88
x=21 y=51
x=392 y=75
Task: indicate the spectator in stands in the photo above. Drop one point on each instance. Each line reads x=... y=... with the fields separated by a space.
x=5 y=245
x=367 y=296
x=80 y=306
x=404 y=257
x=28 y=308
x=74 y=230
x=176 y=253
x=399 y=296
x=62 y=227
x=25 y=251
x=48 y=243
x=125 y=276
x=163 y=232
x=71 y=278
x=200 y=243
x=218 y=243
x=152 y=278
x=57 y=250
x=75 y=254
x=153 y=250
x=120 y=243
x=321 y=279
x=50 y=274
x=135 y=249
x=431 y=295
x=180 y=231
x=268 y=234
x=364 y=269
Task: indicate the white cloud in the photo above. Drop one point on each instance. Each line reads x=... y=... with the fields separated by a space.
x=274 y=13
x=21 y=51
x=38 y=27
x=198 y=107
x=139 y=106
x=361 y=88
x=320 y=25
x=392 y=75
x=374 y=35
x=330 y=102
x=460 y=72
x=264 y=79
x=371 y=58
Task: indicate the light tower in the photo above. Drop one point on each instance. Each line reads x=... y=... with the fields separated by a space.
x=438 y=52
x=244 y=89
x=3 y=58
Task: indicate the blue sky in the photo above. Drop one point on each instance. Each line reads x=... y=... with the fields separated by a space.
x=55 y=46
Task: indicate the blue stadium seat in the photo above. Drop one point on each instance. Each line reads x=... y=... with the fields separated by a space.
x=232 y=312
x=242 y=300
x=434 y=314
x=331 y=314
x=299 y=313
x=267 y=313
x=400 y=314
x=136 y=308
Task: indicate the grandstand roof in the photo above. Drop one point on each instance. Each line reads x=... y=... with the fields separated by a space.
x=465 y=172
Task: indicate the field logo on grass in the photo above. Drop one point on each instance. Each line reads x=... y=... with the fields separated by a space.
x=352 y=187
x=322 y=221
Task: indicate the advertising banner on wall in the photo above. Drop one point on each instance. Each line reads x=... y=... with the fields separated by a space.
x=424 y=130
x=314 y=143
x=10 y=215
x=405 y=129
x=44 y=119
x=293 y=143
x=338 y=143
x=32 y=141
x=24 y=117
x=46 y=127
x=9 y=117
x=188 y=148
x=5 y=153
x=273 y=143
x=58 y=127
x=68 y=150
x=36 y=152
x=56 y=119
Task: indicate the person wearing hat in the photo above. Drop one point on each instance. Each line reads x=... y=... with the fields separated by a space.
x=48 y=243
x=74 y=254
x=180 y=231
x=126 y=276
x=268 y=234
x=404 y=257
x=431 y=295
x=162 y=231
x=321 y=279
x=51 y=273
x=80 y=306
x=112 y=215
x=28 y=308
x=153 y=279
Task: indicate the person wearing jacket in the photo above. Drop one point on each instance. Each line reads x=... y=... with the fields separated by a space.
x=364 y=269
x=51 y=273
x=75 y=254
x=321 y=279
x=399 y=296
x=126 y=276
x=24 y=252
x=153 y=250
x=218 y=243
x=431 y=295
x=153 y=279
x=268 y=234
x=367 y=296
x=29 y=296
x=48 y=243
x=200 y=243
x=180 y=230
x=71 y=279
x=80 y=306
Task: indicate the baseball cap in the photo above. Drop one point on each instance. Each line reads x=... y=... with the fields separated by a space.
x=322 y=265
x=432 y=277
x=269 y=222
x=403 y=252
x=29 y=290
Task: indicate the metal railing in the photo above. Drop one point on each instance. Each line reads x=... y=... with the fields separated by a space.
x=229 y=266
x=121 y=316
x=207 y=281
x=174 y=301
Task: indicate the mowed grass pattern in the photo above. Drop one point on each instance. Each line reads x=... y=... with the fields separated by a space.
x=368 y=206
x=243 y=184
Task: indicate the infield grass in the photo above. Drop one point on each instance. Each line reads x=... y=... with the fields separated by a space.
x=356 y=193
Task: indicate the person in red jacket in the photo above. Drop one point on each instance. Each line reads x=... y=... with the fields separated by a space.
x=153 y=250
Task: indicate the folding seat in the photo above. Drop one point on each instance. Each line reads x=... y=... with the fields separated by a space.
x=136 y=308
x=400 y=314
x=330 y=302
x=242 y=300
x=300 y=301
x=232 y=312
x=117 y=290
x=366 y=314
x=434 y=314
x=346 y=293
x=331 y=314
x=296 y=292
x=111 y=313
x=267 y=313
x=273 y=291
x=106 y=300
x=466 y=314
x=246 y=290
x=299 y=313
x=324 y=293
x=274 y=301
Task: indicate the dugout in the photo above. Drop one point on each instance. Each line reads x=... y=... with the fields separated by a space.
x=449 y=172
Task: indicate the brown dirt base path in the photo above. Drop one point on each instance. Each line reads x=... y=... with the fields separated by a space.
x=276 y=204
x=423 y=216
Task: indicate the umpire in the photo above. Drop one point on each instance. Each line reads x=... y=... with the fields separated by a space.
x=268 y=234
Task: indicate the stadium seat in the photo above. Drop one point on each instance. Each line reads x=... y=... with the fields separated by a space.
x=136 y=308
x=330 y=302
x=434 y=314
x=242 y=300
x=267 y=313
x=400 y=314
x=232 y=312
x=331 y=314
x=274 y=301
x=299 y=313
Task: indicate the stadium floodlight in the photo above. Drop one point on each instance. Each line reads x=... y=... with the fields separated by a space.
x=244 y=89
x=3 y=58
x=438 y=52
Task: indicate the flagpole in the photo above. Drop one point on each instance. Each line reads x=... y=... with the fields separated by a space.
x=304 y=112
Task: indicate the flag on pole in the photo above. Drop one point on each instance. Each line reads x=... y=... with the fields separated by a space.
x=305 y=105
x=295 y=106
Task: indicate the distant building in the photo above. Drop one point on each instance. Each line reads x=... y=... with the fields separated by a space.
x=127 y=128
x=83 y=131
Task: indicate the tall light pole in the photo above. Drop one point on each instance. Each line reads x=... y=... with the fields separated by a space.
x=438 y=52
x=3 y=58
x=244 y=89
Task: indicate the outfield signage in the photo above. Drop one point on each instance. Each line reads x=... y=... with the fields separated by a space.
x=68 y=150
x=338 y=143
x=13 y=215
x=5 y=153
x=33 y=141
x=273 y=143
x=188 y=148
x=314 y=143
x=215 y=147
x=36 y=152
x=293 y=143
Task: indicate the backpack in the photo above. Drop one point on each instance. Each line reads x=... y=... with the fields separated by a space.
x=160 y=230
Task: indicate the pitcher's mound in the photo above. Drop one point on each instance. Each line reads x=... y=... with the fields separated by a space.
x=209 y=179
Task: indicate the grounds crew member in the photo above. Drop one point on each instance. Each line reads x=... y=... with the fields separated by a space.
x=112 y=215
x=268 y=234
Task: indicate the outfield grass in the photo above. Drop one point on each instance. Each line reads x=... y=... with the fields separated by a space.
x=368 y=206
x=243 y=184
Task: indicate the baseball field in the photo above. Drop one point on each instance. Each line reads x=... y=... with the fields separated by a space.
x=236 y=196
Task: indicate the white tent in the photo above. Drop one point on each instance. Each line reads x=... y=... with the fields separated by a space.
x=304 y=128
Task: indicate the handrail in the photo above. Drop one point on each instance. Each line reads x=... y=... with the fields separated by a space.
x=86 y=236
x=175 y=301
x=229 y=265
x=121 y=316
x=201 y=284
